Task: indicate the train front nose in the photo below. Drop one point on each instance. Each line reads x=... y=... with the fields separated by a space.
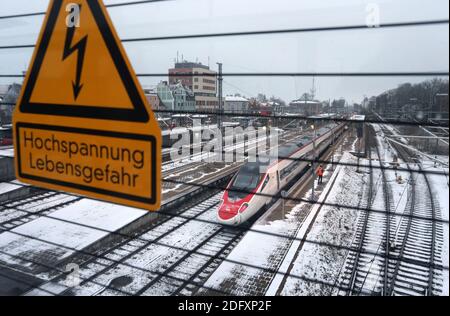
x=229 y=213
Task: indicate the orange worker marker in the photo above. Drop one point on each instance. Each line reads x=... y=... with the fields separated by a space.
x=82 y=123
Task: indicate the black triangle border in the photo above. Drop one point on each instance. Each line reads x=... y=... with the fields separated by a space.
x=138 y=114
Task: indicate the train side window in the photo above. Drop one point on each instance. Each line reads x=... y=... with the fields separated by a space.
x=265 y=182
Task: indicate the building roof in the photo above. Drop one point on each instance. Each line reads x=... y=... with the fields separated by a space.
x=235 y=99
x=179 y=85
x=305 y=102
x=358 y=118
x=188 y=64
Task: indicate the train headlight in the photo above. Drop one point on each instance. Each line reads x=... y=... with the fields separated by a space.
x=243 y=207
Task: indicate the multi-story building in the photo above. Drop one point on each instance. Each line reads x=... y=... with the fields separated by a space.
x=201 y=80
x=270 y=108
x=152 y=97
x=165 y=95
x=184 y=99
x=235 y=104
x=153 y=100
x=175 y=97
x=305 y=107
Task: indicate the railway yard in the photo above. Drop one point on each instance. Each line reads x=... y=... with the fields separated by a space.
x=224 y=156
x=378 y=225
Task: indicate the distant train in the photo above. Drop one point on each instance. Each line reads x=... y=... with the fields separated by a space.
x=6 y=138
x=255 y=183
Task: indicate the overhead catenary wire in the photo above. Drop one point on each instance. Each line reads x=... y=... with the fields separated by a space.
x=268 y=32
x=299 y=200
x=324 y=161
x=215 y=187
x=290 y=117
x=112 y=5
x=290 y=74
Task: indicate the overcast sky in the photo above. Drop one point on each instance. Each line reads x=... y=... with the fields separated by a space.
x=408 y=49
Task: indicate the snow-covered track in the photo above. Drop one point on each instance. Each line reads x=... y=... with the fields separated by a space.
x=417 y=269
x=185 y=275
x=366 y=269
x=21 y=211
x=408 y=258
x=157 y=252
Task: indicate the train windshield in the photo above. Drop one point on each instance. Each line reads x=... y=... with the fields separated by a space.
x=247 y=179
x=5 y=133
x=5 y=136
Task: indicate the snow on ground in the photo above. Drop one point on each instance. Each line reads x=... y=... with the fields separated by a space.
x=45 y=241
x=7 y=152
x=257 y=249
x=395 y=131
x=19 y=183
x=45 y=204
x=154 y=258
x=440 y=188
x=317 y=266
x=6 y=187
x=399 y=189
x=439 y=184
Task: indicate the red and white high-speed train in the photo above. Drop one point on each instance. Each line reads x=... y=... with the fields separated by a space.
x=265 y=180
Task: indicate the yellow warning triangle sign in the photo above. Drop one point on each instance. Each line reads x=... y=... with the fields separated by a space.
x=80 y=70
x=82 y=123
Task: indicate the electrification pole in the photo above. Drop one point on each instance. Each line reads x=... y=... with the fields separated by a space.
x=313 y=162
x=220 y=82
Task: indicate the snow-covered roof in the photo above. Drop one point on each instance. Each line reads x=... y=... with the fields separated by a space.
x=180 y=115
x=305 y=102
x=235 y=99
x=324 y=115
x=358 y=118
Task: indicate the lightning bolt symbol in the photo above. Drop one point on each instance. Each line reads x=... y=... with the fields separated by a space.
x=69 y=49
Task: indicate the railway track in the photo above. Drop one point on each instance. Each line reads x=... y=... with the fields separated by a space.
x=417 y=267
x=351 y=272
x=185 y=275
x=107 y=261
x=160 y=257
x=22 y=211
x=367 y=267
x=396 y=254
